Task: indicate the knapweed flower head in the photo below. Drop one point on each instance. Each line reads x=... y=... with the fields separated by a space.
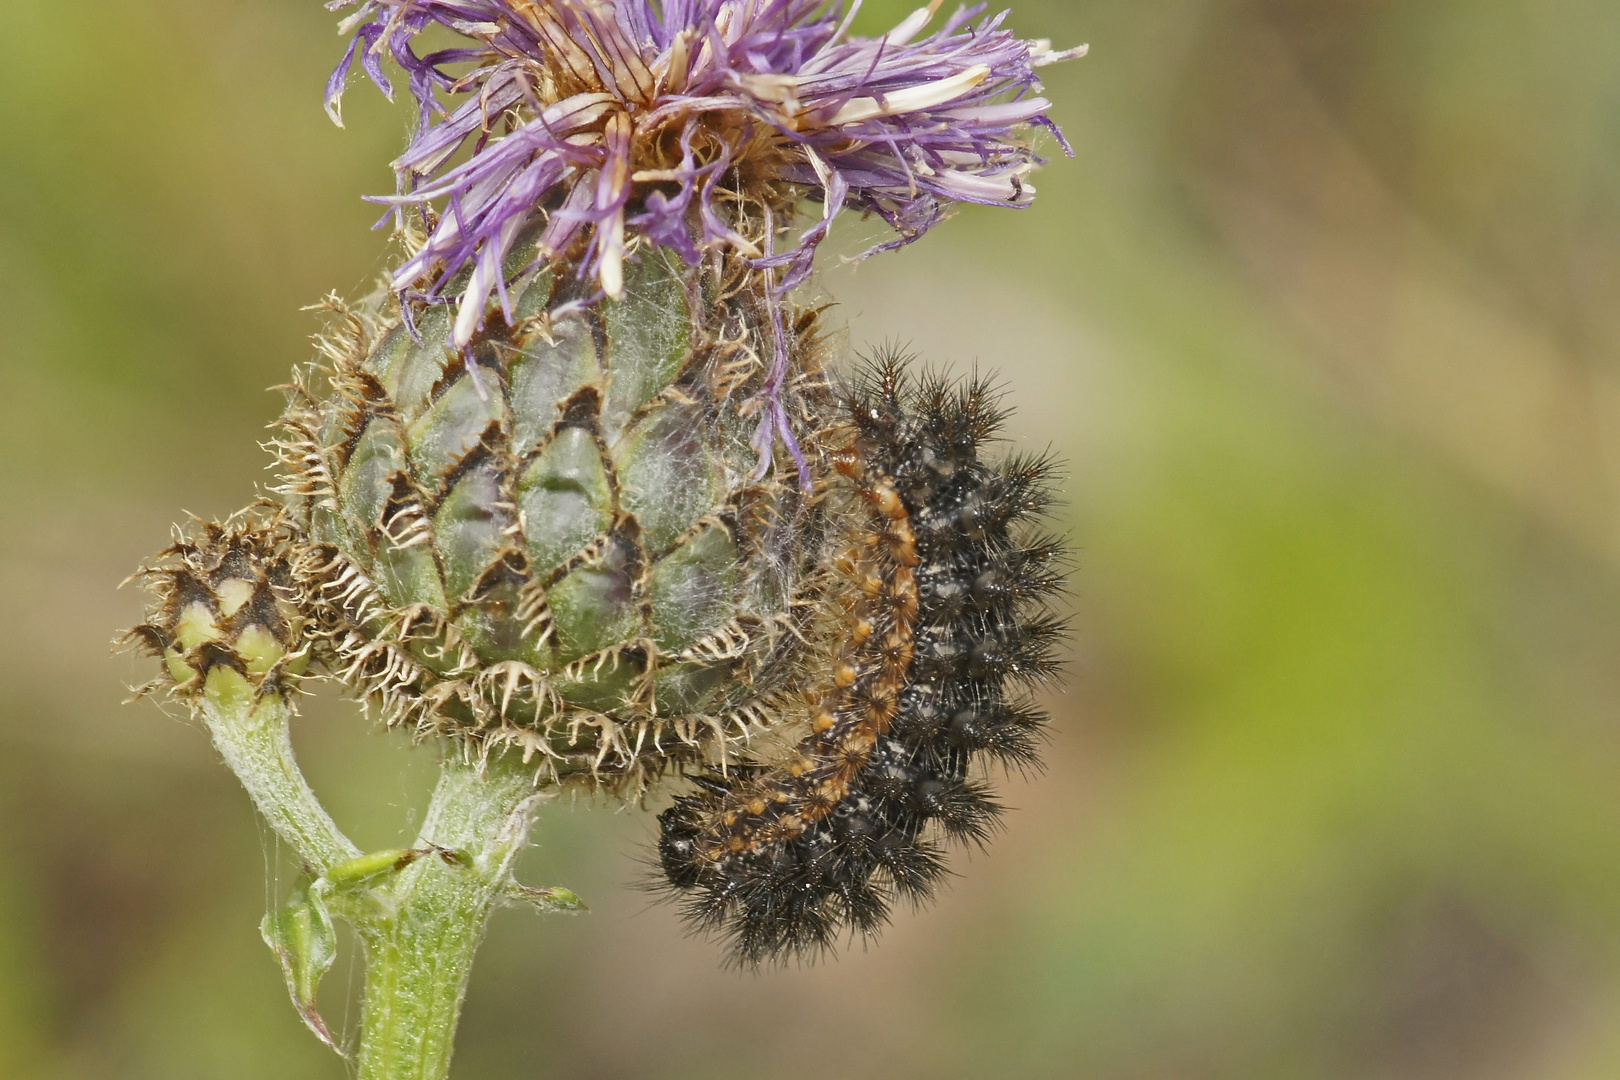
x=697 y=125
x=527 y=502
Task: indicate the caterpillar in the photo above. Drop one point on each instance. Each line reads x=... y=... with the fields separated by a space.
x=938 y=625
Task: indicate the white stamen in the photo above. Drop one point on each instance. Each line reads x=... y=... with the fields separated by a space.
x=782 y=89
x=347 y=24
x=912 y=98
x=913 y=24
x=1041 y=53
x=612 y=270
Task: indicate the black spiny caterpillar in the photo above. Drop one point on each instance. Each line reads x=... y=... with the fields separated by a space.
x=938 y=625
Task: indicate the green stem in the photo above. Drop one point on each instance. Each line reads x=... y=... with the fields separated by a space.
x=251 y=734
x=423 y=929
x=422 y=924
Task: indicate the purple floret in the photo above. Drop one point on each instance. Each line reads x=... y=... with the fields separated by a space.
x=566 y=93
x=638 y=118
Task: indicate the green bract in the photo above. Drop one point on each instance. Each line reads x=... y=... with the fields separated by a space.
x=559 y=538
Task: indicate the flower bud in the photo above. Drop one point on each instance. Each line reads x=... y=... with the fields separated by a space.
x=561 y=537
x=227 y=604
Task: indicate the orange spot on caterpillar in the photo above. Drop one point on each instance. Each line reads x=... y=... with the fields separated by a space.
x=860 y=742
x=888 y=503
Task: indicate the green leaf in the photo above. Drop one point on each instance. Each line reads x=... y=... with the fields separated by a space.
x=300 y=933
x=552 y=901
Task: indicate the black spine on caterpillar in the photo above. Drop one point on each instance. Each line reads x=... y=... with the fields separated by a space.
x=944 y=630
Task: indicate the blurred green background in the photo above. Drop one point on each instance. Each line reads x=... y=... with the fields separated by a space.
x=1324 y=318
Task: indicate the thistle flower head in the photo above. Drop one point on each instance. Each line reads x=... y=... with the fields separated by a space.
x=680 y=122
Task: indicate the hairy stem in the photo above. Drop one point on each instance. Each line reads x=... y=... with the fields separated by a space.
x=421 y=924
x=251 y=734
x=423 y=928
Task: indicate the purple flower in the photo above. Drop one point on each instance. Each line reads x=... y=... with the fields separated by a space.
x=624 y=118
